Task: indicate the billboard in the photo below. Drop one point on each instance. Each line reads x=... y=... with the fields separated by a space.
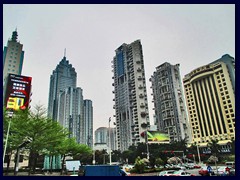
x=17 y=93
x=157 y=137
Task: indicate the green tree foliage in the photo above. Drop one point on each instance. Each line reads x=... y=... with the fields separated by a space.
x=159 y=162
x=70 y=147
x=139 y=165
x=45 y=133
x=214 y=146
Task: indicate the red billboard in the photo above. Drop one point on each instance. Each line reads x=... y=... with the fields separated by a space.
x=17 y=92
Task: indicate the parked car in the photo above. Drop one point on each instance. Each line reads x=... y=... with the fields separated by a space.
x=181 y=173
x=127 y=167
x=197 y=166
x=203 y=171
x=189 y=165
x=222 y=171
x=180 y=167
x=166 y=173
x=230 y=164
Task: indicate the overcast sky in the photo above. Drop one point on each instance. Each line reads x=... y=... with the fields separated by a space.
x=191 y=35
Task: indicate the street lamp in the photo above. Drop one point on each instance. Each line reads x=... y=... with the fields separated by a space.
x=147 y=143
x=199 y=159
x=109 y=145
x=10 y=115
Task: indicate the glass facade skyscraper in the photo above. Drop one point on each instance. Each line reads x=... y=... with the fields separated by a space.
x=63 y=76
x=88 y=123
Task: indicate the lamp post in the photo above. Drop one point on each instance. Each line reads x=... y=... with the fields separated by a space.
x=94 y=161
x=147 y=144
x=10 y=115
x=199 y=158
x=109 y=148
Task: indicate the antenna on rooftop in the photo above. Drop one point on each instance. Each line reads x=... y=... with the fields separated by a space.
x=65 y=52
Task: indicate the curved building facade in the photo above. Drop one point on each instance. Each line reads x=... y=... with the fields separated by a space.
x=210 y=99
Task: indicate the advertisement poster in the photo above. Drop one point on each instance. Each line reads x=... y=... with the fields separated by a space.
x=17 y=92
x=157 y=137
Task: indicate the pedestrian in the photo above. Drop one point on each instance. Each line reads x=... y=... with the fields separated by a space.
x=209 y=168
x=227 y=169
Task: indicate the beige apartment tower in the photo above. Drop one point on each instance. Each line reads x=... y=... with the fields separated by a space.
x=210 y=100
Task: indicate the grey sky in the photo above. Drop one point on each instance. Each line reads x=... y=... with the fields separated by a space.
x=191 y=35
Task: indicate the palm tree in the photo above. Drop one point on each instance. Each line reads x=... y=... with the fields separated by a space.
x=215 y=147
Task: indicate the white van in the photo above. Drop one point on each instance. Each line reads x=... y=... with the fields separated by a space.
x=230 y=164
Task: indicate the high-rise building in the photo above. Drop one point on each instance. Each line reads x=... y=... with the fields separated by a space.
x=210 y=98
x=102 y=138
x=63 y=76
x=88 y=123
x=170 y=110
x=70 y=111
x=65 y=103
x=13 y=56
x=131 y=105
x=101 y=135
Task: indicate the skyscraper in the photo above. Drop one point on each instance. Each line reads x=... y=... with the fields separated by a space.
x=13 y=56
x=101 y=137
x=65 y=103
x=210 y=97
x=131 y=105
x=63 y=76
x=70 y=111
x=170 y=111
x=88 y=123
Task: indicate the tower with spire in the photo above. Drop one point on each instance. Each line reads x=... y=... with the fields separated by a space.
x=13 y=56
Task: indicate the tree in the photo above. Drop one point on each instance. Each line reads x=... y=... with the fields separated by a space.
x=45 y=133
x=214 y=146
x=232 y=145
x=159 y=162
x=139 y=165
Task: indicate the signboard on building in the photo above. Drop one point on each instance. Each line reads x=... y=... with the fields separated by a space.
x=17 y=93
x=157 y=137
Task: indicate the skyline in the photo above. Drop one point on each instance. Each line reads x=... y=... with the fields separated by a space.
x=191 y=35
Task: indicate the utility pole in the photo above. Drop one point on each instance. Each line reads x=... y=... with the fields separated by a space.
x=109 y=148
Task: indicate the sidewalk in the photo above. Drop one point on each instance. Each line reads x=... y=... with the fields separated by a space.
x=58 y=174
